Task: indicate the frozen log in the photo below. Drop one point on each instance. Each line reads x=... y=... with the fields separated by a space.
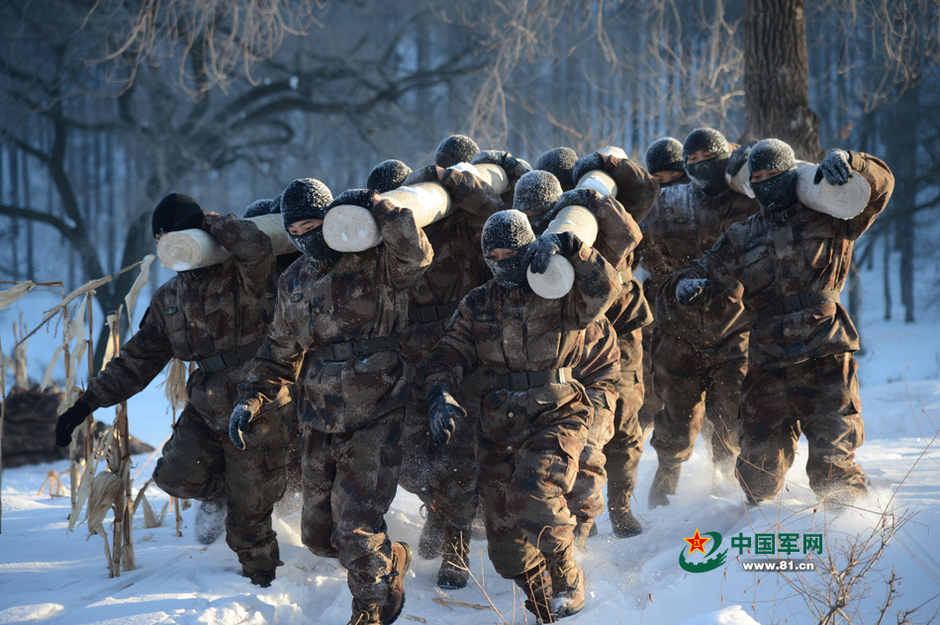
x=840 y=201
x=558 y=279
x=348 y=228
x=185 y=250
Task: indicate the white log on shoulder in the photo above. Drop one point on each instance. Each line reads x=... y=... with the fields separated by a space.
x=185 y=250
x=348 y=228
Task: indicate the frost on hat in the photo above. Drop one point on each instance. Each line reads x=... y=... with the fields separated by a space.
x=770 y=154
x=304 y=198
x=536 y=192
x=664 y=154
x=455 y=149
x=560 y=163
x=258 y=208
x=356 y=197
x=387 y=175
x=705 y=139
x=508 y=230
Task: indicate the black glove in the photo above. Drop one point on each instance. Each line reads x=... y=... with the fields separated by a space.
x=547 y=245
x=587 y=198
x=738 y=158
x=585 y=164
x=514 y=167
x=238 y=423
x=68 y=421
x=834 y=167
x=193 y=221
x=442 y=410
x=691 y=291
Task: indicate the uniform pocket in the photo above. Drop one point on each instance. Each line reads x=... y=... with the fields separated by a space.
x=758 y=268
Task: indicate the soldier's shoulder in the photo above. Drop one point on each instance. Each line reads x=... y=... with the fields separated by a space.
x=294 y=275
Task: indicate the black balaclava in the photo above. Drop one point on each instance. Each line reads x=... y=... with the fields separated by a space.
x=508 y=230
x=172 y=209
x=560 y=163
x=535 y=195
x=258 y=208
x=665 y=154
x=707 y=175
x=455 y=149
x=387 y=175
x=306 y=198
x=778 y=192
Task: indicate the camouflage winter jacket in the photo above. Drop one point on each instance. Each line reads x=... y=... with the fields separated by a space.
x=682 y=225
x=458 y=266
x=362 y=295
x=196 y=315
x=600 y=369
x=514 y=331
x=787 y=253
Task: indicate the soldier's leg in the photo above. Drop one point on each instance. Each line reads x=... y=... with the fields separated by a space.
x=768 y=434
x=680 y=381
x=828 y=399
x=651 y=401
x=586 y=497
x=623 y=456
x=193 y=461
x=367 y=466
x=723 y=399
x=415 y=473
x=318 y=475
x=255 y=479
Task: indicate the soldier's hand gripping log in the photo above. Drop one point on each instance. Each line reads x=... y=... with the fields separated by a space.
x=349 y=228
x=185 y=250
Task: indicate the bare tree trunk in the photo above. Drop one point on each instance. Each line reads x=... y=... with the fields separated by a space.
x=886 y=277
x=776 y=76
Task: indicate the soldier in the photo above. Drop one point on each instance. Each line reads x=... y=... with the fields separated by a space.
x=559 y=162
x=699 y=356
x=793 y=263
x=445 y=478
x=216 y=317
x=535 y=420
x=336 y=332
x=637 y=192
x=665 y=163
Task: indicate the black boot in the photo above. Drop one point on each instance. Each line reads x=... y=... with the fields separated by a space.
x=432 y=536
x=454 y=571
x=567 y=583
x=664 y=483
x=537 y=586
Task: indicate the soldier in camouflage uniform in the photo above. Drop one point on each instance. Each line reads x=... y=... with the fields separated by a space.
x=664 y=163
x=793 y=263
x=637 y=192
x=535 y=420
x=444 y=478
x=699 y=356
x=216 y=317
x=345 y=312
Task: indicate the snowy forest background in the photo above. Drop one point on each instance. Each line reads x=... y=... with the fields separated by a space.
x=108 y=105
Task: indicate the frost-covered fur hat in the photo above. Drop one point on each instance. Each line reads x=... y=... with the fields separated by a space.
x=387 y=175
x=770 y=154
x=455 y=149
x=707 y=139
x=304 y=198
x=560 y=163
x=664 y=154
x=171 y=210
x=536 y=192
x=508 y=230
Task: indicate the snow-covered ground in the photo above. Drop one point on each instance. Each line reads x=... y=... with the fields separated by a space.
x=52 y=576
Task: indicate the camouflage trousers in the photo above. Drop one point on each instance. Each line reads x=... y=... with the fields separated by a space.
x=694 y=385
x=651 y=402
x=200 y=462
x=522 y=491
x=349 y=482
x=818 y=398
x=444 y=477
x=625 y=448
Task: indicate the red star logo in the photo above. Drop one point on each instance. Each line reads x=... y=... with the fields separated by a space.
x=696 y=543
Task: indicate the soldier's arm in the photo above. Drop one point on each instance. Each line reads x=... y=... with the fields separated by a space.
x=596 y=286
x=651 y=252
x=618 y=234
x=142 y=357
x=599 y=369
x=476 y=199
x=248 y=245
x=277 y=363
x=637 y=191
x=877 y=174
x=454 y=356
x=720 y=265
x=408 y=251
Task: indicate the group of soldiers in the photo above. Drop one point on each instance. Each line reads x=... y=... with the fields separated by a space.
x=428 y=361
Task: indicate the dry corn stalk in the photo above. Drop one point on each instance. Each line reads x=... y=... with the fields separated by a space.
x=131 y=298
x=11 y=295
x=54 y=480
x=88 y=476
x=175 y=385
x=104 y=490
x=151 y=520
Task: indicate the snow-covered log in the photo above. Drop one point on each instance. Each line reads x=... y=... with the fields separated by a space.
x=191 y=249
x=559 y=278
x=348 y=228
